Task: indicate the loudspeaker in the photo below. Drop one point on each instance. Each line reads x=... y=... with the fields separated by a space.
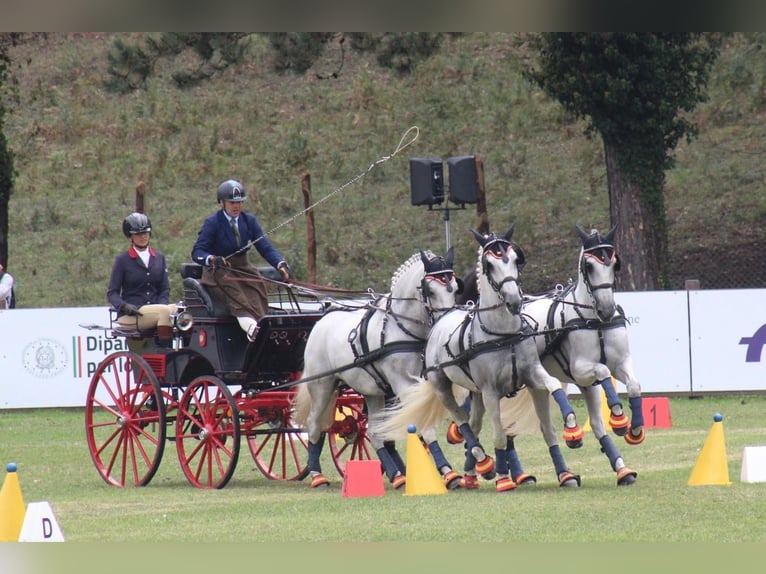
x=463 y=184
x=426 y=180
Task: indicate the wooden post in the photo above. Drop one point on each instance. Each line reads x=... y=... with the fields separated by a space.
x=140 y=192
x=482 y=219
x=310 y=231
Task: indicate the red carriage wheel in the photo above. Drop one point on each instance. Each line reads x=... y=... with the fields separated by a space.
x=278 y=446
x=207 y=433
x=348 y=433
x=125 y=420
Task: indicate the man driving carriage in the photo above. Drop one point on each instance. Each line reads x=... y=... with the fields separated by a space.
x=222 y=245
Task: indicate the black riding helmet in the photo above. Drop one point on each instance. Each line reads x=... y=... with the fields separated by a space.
x=136 y=223
x=231 y=190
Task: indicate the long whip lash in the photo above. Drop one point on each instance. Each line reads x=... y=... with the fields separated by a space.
x=413 y=133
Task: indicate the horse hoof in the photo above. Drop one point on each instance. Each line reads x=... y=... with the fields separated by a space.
x=451 y=480
x=453 y=434
x=399 y=481
x=525 y=479
x=319 y=480
x=569 y=480
x=469 y=482
x=632 y=439
x=485 y=466
x=619 y=423
x=504 y=484
x=626 y=476
x=574 y=436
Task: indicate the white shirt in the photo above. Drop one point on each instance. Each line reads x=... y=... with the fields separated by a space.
x=6 y=285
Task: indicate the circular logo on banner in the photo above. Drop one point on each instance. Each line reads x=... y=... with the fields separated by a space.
x=44 y=358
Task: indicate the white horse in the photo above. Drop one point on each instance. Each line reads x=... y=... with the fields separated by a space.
x=583 y=338
x=376 y=350
x=487 y=350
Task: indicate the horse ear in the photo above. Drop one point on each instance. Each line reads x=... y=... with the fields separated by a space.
x=509 y=233
x=424 y=259
x=479 y=237
x=450 y=257
x=610 y=236
x=581 y=232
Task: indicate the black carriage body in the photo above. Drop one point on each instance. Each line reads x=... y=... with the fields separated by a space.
x=275 y=357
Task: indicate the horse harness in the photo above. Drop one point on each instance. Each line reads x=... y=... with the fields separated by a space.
x=555 y=335
x=468 y=348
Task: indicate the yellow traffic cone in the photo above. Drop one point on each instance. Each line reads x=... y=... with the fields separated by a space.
x=712 y=467
x=422 y=476
x=12 y=506
x=605 y=412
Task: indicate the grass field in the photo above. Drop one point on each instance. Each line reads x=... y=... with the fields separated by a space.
x=54 y=465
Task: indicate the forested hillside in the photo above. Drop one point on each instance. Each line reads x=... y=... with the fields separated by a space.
x=80 y=152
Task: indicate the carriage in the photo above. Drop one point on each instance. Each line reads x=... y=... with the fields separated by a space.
x=210 y=390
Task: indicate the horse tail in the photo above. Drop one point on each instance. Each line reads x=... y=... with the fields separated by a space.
x=302 y=408
x=416 y=405
x=518 y=414
x=301 y=405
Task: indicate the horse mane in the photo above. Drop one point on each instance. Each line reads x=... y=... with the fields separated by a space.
x=406 y=267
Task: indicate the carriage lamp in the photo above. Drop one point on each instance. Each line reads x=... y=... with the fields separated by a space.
x=183 y=321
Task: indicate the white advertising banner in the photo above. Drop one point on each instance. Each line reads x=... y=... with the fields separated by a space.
x=681 y=342
x=659 y=339
x=47 y=359
x=728 y=332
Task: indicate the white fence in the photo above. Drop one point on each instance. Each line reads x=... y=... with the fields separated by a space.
x=688 y=342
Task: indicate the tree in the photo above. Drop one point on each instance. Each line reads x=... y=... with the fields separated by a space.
x=130 y=66
x=633 y=88
x=6 y=157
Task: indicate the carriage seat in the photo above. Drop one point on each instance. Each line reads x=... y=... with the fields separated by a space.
x=196 y=296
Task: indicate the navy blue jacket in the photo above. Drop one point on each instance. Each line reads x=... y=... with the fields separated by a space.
x=217 y=238
x=132 y=282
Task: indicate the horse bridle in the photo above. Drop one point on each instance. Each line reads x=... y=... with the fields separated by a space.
x=607 y=257
x=499 y=248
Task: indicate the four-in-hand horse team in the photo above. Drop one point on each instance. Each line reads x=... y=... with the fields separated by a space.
x=429 y=352
x=434 y=351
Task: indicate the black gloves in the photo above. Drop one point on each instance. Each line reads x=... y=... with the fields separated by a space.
x=284 y=269
x=217 y=262
x=131 y=310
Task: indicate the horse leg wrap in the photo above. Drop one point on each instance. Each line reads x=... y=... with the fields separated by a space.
x=610 y=450
x=453 y=434
x=389 y=466
x=566 y=407
x=636 y=412
x=617 y=420
x=501 y=461
x=513 y=457
x=470 y=462
x=390 y=446
x=439 y=459
x=315 y=450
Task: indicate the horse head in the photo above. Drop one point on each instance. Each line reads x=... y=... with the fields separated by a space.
x=598 y=265
x=500 y=263
x=439 y=285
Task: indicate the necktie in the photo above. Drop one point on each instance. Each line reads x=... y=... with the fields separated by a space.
x=235 y=228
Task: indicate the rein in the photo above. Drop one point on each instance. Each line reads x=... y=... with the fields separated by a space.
x=402 y=145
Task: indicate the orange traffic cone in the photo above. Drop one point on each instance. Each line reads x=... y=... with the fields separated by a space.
x=12 y=508
x=422 y=476
x=712 y=467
